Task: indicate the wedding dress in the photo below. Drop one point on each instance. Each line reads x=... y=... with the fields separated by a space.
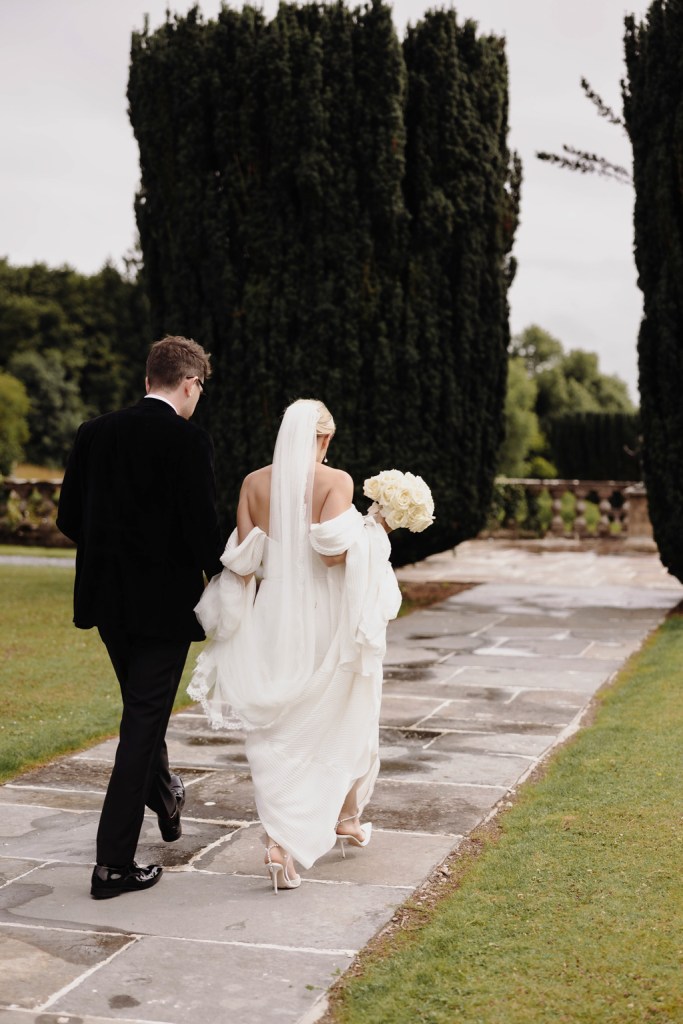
x=298 y=665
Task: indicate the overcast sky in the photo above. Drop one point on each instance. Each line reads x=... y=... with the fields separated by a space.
x=69 y=167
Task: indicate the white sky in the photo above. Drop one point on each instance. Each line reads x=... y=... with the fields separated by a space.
x=69 y=167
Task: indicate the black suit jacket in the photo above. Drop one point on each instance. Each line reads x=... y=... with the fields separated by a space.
x=138 y=498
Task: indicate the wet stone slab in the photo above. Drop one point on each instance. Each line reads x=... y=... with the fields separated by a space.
x=569 y=647
x=192 y=741
x=405 y=655
x=402 y=674
x=37 y=962
x=39 y=833
x=24 y=1017
x=11 y=868
x=554 y=709
x=246 y=985
x=49 y=798
x=438 y=765
x=496 y=658
x=227 y=795
x=398 y=859
x=530 y=745
x=214 y=907
x=516 y=598
x=585 y=680
x=401 y=711
x=431 y=807
x=446 y=641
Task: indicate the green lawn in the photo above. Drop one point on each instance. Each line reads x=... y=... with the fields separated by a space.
x=29 y=552
x=58 y=691
x=570 y=909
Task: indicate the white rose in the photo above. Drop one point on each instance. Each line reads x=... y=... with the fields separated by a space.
x=419 y=519
x=396 y=519
x=403 y=499
x=371 y=488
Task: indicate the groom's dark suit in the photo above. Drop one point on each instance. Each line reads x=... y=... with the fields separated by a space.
x=138 y=499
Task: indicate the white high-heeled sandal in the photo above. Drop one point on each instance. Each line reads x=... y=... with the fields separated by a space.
x=274 y=867
x=345 y=838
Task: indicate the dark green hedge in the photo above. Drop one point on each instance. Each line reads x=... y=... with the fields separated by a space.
x=653 y=109
x=331 y=214
x=596 y=445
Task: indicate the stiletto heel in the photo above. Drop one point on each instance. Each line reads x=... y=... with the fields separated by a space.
x=345 y=838
x=274 y=867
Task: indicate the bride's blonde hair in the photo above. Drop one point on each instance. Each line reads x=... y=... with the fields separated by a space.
x=325 y=424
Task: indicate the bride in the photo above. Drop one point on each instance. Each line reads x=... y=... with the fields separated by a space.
x=298 y=665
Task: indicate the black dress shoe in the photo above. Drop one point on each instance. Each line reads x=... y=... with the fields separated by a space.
x=178 y=790
x=108 y=882
x=170 y=826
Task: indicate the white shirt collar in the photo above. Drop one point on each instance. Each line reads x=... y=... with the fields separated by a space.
x=162 y=398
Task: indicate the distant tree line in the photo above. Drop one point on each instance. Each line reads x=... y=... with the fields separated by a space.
x=563 y=417
x=70 y=347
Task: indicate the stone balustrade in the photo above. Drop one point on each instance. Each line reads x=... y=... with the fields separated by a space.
x=28 y=509
x=580 y=509
x=560 y=508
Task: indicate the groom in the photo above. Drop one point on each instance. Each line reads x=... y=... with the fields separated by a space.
x=138 y=499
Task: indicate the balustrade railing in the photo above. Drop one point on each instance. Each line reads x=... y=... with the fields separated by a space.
x=606 y=509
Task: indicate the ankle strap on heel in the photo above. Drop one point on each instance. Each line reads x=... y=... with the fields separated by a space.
x=351 y=818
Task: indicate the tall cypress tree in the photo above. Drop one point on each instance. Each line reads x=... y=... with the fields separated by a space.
x=462 y=190
x=282 y=223
x=653 y=111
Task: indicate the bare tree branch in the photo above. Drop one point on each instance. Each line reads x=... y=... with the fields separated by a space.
x=601 y=107
x=587 y=163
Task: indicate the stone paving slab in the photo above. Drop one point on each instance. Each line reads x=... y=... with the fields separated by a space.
x=477 y=690
x=38 y=961
x=214 y=907
x=241 y=985
x=40 y=833
x=529 y=745
x=40 y=1017
x=399 y=859
x=437 y=808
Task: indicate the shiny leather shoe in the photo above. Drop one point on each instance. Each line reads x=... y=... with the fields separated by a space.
x=108 y=882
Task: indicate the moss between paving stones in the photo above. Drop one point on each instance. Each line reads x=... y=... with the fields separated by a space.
x=569 y=907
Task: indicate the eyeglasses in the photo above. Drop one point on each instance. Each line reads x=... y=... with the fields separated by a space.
x=200 y=382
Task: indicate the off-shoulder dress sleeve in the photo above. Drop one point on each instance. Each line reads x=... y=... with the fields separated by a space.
x=221 y=606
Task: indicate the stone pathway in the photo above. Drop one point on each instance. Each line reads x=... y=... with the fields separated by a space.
x=477 y=690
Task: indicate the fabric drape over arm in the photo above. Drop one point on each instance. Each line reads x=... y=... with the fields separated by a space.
x=236 y=678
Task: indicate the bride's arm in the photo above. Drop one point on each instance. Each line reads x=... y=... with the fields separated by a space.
x=339 y=499
x=245 y=523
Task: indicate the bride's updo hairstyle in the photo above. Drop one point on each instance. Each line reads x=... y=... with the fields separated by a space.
x=325 y=424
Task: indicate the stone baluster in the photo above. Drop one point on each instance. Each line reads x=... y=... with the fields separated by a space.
x=580 y=524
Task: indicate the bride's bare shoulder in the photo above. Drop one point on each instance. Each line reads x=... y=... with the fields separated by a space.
x=334 y=479
x=255 y=481
x=333 y=493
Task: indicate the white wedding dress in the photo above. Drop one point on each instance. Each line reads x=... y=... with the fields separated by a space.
x=298 y=665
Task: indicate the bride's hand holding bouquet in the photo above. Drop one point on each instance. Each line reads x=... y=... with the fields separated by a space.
x=400 y=500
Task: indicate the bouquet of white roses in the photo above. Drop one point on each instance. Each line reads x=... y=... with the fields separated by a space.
x=402 y=499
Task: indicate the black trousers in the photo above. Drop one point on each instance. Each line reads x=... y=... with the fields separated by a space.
x=148 y=670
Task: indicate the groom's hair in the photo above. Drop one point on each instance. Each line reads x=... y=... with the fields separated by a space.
x=173 y=359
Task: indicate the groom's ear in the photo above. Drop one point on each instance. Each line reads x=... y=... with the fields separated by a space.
x=147 y=385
